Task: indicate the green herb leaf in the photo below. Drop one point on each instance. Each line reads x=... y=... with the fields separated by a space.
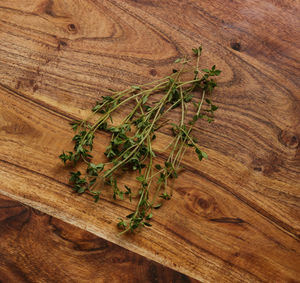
x=165 y=196
x=158 y=167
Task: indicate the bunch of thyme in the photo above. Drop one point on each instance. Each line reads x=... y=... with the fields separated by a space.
x=130 y=147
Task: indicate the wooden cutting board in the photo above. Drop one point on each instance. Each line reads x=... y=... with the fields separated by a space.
x=234 y=217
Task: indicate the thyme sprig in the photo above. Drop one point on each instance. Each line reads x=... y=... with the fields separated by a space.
x=131 y=144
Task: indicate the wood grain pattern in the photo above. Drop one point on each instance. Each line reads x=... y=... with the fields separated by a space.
x=36 y=247
x=233 y=218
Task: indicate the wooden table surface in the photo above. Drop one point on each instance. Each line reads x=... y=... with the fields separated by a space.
x=234 y=217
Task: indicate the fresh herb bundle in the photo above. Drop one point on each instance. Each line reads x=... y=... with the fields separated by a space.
x=130 y=147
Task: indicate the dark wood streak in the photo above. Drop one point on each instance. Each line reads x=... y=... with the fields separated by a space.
x=18 y=11
x=37 y=233
x=185 y=239
x=38 y=103
x=11 y=269
x=227 y=220
x=275 y=221
x=35 y=172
